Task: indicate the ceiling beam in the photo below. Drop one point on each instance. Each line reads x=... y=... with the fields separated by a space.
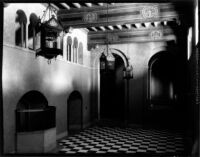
x=130 y=35
x=77 y=5
x=157 y=23
x=119 y=14
x=128 y=26
x=102 y=28
x=119 y=27
x=94 y=29
x=138 y=25
x=65 y=5
x=101 y=4
x=147 y=24
x=111 y=27
x=54 y=6
x=88 y=4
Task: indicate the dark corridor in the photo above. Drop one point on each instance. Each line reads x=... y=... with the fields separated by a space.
x=112 y=94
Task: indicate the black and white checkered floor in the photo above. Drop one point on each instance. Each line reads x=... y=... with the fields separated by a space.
x=101 y=140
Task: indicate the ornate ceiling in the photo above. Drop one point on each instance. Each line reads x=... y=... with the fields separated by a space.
x=120 y=22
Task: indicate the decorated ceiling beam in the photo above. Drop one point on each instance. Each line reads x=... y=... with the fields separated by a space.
x=161 y=33
x=117 y=14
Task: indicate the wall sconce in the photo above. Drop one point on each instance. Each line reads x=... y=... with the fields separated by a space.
x=128 y=72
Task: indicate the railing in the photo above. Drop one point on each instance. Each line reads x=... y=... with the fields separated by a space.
x=35 y=119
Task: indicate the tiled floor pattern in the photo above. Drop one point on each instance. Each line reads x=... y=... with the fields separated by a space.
x=101 y=140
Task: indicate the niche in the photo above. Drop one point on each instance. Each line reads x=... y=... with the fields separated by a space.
x=35 y=124
x=75 y=115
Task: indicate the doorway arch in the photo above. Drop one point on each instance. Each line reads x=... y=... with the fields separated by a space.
x=112 y=92
x=96 y=64
x=75 y=112
x=161 y=80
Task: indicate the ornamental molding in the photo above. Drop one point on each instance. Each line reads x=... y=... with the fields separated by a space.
x=90 y=17
x=112 y=37
x=156 y=34
x=150 y=12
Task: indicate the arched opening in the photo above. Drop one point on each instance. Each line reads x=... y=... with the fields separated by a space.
x=162 y=87
x=33 y=113
x=20 y=33
x=112 y=92
x=32 y=100
x=74 y=108
x=80 y=53
x=75 y=50
x=69 y=48
x=33 y=32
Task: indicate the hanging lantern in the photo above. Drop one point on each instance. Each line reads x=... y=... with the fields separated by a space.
x=107 y=60
x=102 y=62
x=50 y=31
x=110 y=61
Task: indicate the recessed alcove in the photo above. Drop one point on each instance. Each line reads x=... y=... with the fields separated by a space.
x=35 y=124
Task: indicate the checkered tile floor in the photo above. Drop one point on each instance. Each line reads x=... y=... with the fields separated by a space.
x=101 y=140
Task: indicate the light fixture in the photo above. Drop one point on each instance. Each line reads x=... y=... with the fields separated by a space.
x=51 y=29
x=128 y=72
x=107 y=60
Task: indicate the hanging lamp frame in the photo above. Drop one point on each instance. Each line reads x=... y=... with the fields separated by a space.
x=50 y=30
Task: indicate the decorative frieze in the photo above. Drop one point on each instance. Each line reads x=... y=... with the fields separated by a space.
x=112 y=37
x=90 y=17
x=156 y=34
x=118 y=14
x=130 y=36
x=150 y=12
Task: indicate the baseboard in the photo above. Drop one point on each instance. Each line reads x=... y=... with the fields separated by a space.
x=61 y=135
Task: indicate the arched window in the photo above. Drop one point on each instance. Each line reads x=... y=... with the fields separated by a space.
x=69 y=48
x=75 y=50
x=33 y=32
x=80 y=53
x=20 y=34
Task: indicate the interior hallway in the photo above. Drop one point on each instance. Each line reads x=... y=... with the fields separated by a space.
x=100 y=78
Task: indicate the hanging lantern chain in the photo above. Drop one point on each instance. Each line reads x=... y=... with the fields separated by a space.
x=107 y=33
x=51 y=11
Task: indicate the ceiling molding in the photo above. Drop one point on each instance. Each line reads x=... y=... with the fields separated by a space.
x=159 y=33
x=118 y=14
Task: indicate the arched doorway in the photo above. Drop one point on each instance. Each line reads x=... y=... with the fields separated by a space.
x=75 y=115
x=162 y=87
x=112 y=92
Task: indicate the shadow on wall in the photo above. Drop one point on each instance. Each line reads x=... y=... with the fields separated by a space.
x=75 y=112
